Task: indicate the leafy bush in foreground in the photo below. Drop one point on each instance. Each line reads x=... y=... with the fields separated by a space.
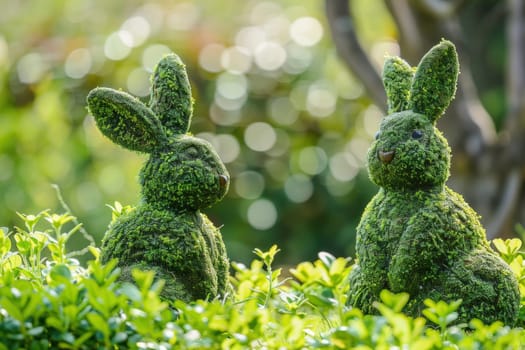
x=48 y=301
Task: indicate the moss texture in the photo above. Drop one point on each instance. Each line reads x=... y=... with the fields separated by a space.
x=417 y=235
x=166 y=232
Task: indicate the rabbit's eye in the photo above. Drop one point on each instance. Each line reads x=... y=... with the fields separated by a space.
x=417 y=134
x=376 y=136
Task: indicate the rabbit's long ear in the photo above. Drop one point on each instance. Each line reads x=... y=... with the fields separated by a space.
x=397 y=79
x=435 y=81
x=126 y=120
x=171 y=97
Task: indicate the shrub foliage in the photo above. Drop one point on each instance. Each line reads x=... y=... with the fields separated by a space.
x=48 y=300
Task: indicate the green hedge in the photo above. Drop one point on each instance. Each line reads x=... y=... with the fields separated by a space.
x=48 y=300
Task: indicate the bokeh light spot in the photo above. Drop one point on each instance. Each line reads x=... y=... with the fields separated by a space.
x=262 y=214
x=184 y=16
x=249 y=184
x=312 y=160
x=321 y=100
x=231 y=91
x=228 y=147
x=343 y=166
x=371 y=119
x=31 y=68
x=115 y=47
x=381 y=49
x=299 y=94
x=4 y=51
x=358 y=147
x=236 y=59
x=78 y=63
x=232 y=86
x=260 y=136
x=138 y=82
x=270 y=56
x=154 y=14
x=152 y=55
x=282 y=144
x=348 y=87
x=306 y=31
x=210 y=57
x=250 y=37
x=277 y=169
x=336 y=187
x=265 y=10
x=224 y=117
x=277 y=29
x=138 y=28
x=298 y=188
x=298 y=59
x=281 y=110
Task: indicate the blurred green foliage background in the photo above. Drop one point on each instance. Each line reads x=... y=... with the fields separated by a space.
x=289 y=121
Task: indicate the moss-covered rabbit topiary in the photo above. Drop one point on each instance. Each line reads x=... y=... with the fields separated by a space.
x=166 y=232
x=417 y=235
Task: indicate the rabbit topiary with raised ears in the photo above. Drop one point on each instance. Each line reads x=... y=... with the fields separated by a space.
x=417 y=235
x=166 y=232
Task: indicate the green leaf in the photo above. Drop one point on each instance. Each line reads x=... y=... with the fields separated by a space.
x=36 y=331
x=57 y=221
x=99 y=323
x=327 y=259
x=34 y=303
x=31 y=220
x=268 y=256
x=56 y=323
x=131 y=291
x=5 y=242
x=500 y=245
x=12 y=309
x=82 y=339
x=60 y=273
x=144 y=279
x=119 y=337
x=395 y=302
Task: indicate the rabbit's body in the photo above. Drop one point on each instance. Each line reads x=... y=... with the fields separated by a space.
x=167 y=233
x=417 y=235
x=184 y=249
x=430 y=244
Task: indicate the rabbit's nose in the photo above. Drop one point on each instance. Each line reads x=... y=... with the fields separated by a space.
x=223 y=181
x=386 y=156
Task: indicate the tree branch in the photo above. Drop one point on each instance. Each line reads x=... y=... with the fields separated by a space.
x=439 y=8
x=410 y=38
x=516 y=65
x=505 y=209
x=351 y=51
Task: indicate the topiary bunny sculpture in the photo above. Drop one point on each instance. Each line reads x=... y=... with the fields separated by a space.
x=166 y=232
x=416 y=235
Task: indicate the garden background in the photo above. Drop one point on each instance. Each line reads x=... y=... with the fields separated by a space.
x=272 y=93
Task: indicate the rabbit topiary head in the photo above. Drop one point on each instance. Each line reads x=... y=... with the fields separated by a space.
x=183 y=172
x=409 y=152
